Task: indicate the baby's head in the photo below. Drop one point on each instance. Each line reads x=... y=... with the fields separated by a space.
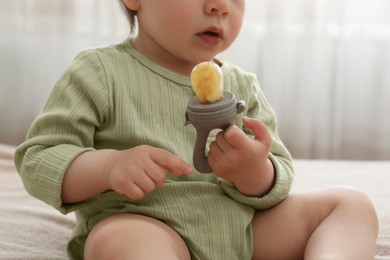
x=131 y=15
x=178 y=34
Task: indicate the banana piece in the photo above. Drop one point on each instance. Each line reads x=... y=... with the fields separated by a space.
x=206 y=78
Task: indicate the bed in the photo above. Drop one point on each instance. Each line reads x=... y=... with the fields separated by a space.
x=30 y=229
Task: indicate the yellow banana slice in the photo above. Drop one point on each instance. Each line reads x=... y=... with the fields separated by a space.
x=206 y=78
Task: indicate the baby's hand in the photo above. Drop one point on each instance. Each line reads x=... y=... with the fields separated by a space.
x=140 y=170
x=243 y=160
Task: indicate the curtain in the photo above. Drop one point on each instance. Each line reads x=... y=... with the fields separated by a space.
x=325 y=68
x=38 y=40
x=324 y=65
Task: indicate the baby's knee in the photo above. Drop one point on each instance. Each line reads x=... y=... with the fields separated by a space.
x=355 y=200
x=130 y=236
x=352 y=195
x=98 y=242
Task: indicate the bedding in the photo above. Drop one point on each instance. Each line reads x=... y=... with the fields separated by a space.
x=30 y=229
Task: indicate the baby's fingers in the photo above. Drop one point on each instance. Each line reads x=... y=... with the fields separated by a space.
x=259 y=129
x=134 y=192
x=170 y=162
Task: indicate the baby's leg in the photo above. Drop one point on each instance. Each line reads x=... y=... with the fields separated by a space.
x=130 y=236
x=333 y=223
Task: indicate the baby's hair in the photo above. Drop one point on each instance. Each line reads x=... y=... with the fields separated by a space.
x=131 y=15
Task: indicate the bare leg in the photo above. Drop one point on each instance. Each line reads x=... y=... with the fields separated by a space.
x=333 y=223
x=131 y=236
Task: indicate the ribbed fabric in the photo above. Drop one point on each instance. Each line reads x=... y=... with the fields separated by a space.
x=114 y=97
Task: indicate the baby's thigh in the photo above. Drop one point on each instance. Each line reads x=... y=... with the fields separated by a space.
x=131 y=236
x=283 y=231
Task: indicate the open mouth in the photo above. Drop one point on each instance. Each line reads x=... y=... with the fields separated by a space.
x=211 y=34
x=214 y=32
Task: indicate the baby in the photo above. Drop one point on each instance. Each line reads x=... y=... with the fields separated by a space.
x=110 y=144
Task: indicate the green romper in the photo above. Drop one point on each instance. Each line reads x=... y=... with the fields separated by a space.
x=115 y=97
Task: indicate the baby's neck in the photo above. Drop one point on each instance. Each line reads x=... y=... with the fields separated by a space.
x=162 y=57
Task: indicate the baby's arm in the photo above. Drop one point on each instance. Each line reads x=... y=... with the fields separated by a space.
x=133 y=172
x=271 y=183
x=243 y=160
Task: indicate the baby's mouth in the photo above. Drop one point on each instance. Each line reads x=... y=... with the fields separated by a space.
x=213 y=32
x=210 y=33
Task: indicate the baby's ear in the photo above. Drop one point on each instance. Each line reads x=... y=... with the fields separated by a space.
x=133 y=5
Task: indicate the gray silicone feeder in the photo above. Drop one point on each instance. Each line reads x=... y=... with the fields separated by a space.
x=206 y=117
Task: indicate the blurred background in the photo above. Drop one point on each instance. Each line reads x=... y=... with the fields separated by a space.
x=323 y=64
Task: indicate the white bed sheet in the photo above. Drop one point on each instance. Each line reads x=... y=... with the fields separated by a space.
x=31 y=229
